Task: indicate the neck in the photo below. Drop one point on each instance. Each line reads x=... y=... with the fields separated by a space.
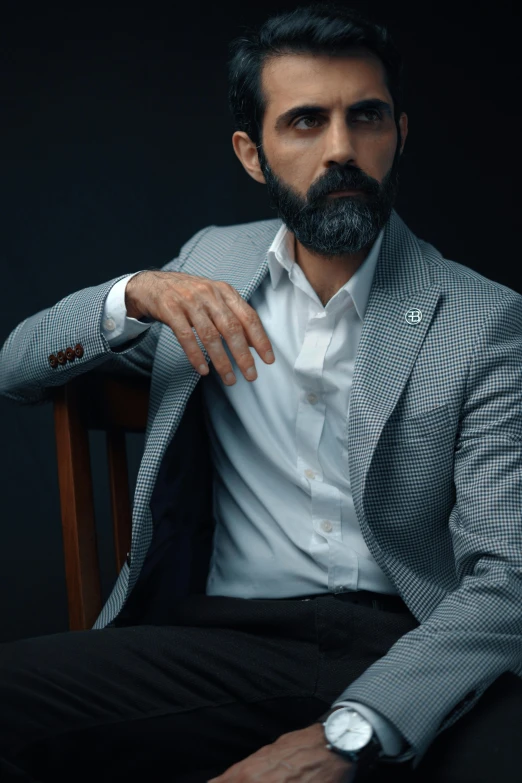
x=327 y=275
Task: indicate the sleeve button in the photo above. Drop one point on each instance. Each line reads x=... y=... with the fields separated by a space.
x=53 y=361
x=78 y=350
x=109 y=324
x=61 y=357
x=71 y=356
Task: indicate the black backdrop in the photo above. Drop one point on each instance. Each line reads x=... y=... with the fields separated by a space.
x=116 y=148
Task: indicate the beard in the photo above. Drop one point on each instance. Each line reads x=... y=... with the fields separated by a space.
x=335 y=225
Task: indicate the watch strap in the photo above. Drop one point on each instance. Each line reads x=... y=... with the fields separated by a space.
x=363 y=758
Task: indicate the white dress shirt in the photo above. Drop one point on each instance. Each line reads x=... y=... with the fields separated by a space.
x=278 y=444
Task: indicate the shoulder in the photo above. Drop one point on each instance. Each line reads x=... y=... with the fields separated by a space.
x=463 y=284
x=219 y=239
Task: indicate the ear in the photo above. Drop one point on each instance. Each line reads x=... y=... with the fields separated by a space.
x=246 y=151
x=403 y=125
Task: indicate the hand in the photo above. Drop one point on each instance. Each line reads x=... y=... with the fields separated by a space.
x=297 y=756
x=212 y=307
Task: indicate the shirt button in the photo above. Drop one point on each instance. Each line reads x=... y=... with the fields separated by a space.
x=312 y=398
x=326 y=526
x=109 y=324
x=309 y=473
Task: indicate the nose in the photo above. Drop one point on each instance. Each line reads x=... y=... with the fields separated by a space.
x=339 y=143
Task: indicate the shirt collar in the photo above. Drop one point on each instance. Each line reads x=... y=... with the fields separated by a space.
x=281 y=256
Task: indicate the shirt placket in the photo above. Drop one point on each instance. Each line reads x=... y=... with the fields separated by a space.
x=325 y=498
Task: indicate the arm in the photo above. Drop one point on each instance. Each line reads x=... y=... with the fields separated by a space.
x=435 y=673
x=26 y=375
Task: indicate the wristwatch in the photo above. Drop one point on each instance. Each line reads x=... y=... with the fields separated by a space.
x=352 y=736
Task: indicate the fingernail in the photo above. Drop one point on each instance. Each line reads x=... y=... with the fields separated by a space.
x=203 y=368
x=230 y=377
x=269 y=356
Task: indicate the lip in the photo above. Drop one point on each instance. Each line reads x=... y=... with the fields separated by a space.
x=345 y=192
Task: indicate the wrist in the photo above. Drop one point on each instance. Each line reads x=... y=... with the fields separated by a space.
x=133 y=305
x=352 y=736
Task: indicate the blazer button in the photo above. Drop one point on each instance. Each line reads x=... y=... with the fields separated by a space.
x=61 y=357
x=71 y=356
x=78 y=350
x=53 y=361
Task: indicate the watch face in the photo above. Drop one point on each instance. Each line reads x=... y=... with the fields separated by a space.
x=347 y=730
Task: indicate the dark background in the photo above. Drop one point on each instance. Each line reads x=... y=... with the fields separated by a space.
x=116 y=148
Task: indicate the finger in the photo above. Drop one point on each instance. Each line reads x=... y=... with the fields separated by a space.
x=210 y=336
x=252 y=324
x=183 y=330
x=232 y=331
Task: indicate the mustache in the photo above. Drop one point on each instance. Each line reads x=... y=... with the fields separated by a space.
x=311 y=201
x=355 y=181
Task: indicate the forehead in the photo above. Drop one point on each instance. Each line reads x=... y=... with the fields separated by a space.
x=303 y=78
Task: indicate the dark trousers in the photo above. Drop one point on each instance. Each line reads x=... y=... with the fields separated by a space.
x=183 y=702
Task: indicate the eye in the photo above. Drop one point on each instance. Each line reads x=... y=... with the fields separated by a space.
x=375 y=112
x=305 y=117
x=376 y=116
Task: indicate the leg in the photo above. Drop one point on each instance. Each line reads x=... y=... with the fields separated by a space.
x=90 y=705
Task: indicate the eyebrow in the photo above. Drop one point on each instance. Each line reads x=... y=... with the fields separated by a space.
x=296 y=111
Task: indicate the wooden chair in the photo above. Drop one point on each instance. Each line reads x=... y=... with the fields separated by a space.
x=115 y=405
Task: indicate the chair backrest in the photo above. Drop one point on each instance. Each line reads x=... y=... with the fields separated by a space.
x=115 y=405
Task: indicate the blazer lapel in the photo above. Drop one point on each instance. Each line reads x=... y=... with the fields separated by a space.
x=400 y=308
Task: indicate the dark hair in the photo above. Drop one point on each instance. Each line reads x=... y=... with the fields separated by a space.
x=322 y=28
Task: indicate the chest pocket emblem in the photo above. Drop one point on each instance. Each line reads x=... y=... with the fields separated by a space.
x=413 y=316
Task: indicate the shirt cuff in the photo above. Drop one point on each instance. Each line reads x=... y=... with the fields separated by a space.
x=391 y=739
x=116 y=326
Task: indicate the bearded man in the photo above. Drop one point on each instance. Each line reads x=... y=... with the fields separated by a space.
x=324 y=579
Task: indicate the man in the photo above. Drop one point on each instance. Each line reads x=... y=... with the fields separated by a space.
x=362 y=568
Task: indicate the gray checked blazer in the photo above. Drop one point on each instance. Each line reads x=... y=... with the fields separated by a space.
x=435 y=451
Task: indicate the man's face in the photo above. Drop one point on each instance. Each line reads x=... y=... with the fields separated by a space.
x=342 y=146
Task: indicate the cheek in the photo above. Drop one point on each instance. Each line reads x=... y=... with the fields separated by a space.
x=296 y=170
x=378 y=159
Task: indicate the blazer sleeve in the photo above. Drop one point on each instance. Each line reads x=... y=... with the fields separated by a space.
x=435 y=674
x=26 y=374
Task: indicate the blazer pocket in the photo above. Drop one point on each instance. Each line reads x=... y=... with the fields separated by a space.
x=435 y=421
